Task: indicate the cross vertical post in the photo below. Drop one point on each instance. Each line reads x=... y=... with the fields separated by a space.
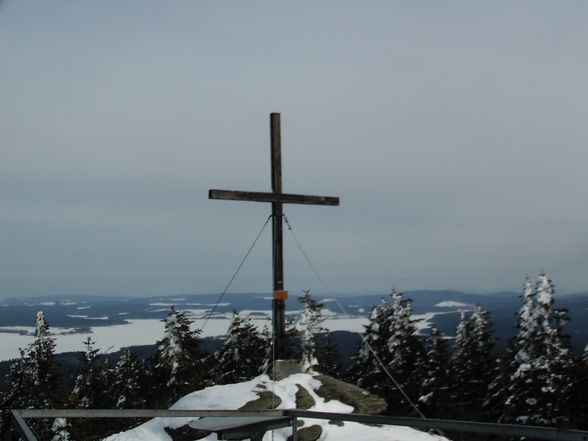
x=278 y=304
x=277 y=199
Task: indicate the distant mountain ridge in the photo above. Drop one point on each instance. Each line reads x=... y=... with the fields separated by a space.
x=78 y=311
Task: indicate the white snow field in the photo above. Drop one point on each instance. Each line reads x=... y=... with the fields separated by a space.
x=234 y=396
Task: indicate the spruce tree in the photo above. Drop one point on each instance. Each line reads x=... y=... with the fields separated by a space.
x=404 y=353
x=91 y=391
x=327 y=355
x=178 y=364
x=471 y=365
x=89 y=387
x=498 y=390
x=308 y=325
x=243 y=353
x=556 y=373
x=542 y=378
x=524 y=386
x=32 y=379
x=433 y=392
x=484 y=360
x=126 y=389
x=366 y=369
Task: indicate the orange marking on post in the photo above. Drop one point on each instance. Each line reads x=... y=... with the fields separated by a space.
x=280 y=295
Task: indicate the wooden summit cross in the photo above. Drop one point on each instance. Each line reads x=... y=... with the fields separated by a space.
x=277 y=198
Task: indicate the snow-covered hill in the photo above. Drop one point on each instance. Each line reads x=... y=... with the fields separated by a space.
x=235 y=396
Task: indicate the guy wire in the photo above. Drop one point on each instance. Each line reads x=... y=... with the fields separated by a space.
x=235 y=274
x=417 y=410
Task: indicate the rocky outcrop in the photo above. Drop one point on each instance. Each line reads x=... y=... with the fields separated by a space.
x=284 y=368
x=361 y=400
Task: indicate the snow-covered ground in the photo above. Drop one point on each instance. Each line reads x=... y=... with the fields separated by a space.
x=148 y=331
x=234 y=396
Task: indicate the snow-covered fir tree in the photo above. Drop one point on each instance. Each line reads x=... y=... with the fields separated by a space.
x=472 y=364
x=541 y=380
x=522 y=386
x=178 y=363
x=559 y=381
x=327 y=355
x=308 y=324
x=484 y=359
x=460 y=360
x=433 y=393
x=498 y=388
x=404 y=351
x=391 y=343
x=32 y=379
x=366 y=369
x=243 y=353
x=126 y=390
x=89 y=387
x=555 y=352
x=91 y=390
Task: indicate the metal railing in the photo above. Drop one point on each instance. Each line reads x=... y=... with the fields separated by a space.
x=19 y=424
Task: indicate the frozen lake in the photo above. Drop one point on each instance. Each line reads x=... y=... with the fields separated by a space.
x=148 y=331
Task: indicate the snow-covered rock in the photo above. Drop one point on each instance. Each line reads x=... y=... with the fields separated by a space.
x=236 y=396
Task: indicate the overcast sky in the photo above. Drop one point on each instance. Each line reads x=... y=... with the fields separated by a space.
x=454 y=132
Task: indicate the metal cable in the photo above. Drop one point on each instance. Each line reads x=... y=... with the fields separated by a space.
x=235 y=273
x=417 y=410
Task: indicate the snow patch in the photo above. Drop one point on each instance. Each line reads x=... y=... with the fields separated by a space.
x=452 y=304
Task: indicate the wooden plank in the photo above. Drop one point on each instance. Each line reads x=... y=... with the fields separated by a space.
x=233 y=195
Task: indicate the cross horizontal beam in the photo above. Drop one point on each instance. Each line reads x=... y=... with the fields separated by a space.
x=272 y=197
